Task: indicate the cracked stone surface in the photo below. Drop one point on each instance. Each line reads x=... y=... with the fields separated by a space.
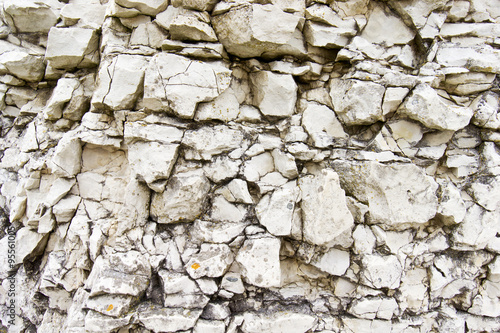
x=203 y=166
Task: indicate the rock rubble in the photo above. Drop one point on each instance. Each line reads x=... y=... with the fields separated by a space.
x=249 y=166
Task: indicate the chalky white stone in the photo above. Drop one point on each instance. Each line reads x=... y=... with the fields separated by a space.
x=259 y=261
x=324 y=210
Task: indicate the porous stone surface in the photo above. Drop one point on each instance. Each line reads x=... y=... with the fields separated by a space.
x=217 y=166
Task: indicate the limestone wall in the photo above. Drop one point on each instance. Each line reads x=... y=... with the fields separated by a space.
x=282 y=166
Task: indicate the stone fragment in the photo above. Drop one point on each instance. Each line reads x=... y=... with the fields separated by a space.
x=69 y=48
x=364 y=239
x=322 y=125
x=451 y=205
x=202 y=50
x=278 y=322
x=326 y=15
x=90 y=185
x=223 y=210
x=274 y=94
x=486 y=108
x=450 y=275
x=143 y=131
x=259 y=261
x=66 y=161
x=486 y=303
x=183 y=198
x=17 y=208
x=232 y=282
x=120 y=82
x=152 y=161
x=210 y=141
x=324 y=210
x=285 y=164
x=221 y=169
x=88 y=15
x=29 y=141
x=29 y=244
x=224 y=107
x=482 y=189
x=31 y=16
x=21 y=63
x=258 y=166
x=110 y=305
x=334 y=262
x=148 y=34
x=60 y=187
x=393 y=98
x=147 y=7
x=275 y=211
x=321 y=35
x=352 y=104
x=414 y=290
x=161 y=319
x=216 y=232
x=383 y=27
x=433 y=111
x=96 y=322
x=190 y=25
x=395 y=194
x=213 y=260
x=478 y=58
x=120 y=273
x=177 y=83
x=209 y=326
x=60 y=96
x=253 y=30
x=351 y=8
x=410 y=132
x=200 y=5
x=181 y=291
x=371 y=308
x=239 y=191
x=381 y=271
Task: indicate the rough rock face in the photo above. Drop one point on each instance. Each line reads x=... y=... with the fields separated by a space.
x=205 y=166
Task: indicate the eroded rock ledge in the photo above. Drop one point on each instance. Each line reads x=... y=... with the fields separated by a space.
x=250 y=166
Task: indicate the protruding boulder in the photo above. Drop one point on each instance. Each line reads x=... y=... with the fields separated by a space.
x=384 y=27
x=21 y=62
x=274 y=94
x=213 y=260
x=395 y=193
x=209 y=141
x=67 y=159
x=31 y=15
x=276 y=211
x=324 y=209
x=183 y=198
x=253 y=30
x=433 y=111
x=259 y=261
x=381 y=271
x=147 y=7
x=322 y=125
x=120 y=82
x=177 y=83
x=357 y=102
x=69 y=48
x=152 y=161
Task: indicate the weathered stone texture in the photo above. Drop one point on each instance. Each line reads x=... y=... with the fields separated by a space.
x=287 y=166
